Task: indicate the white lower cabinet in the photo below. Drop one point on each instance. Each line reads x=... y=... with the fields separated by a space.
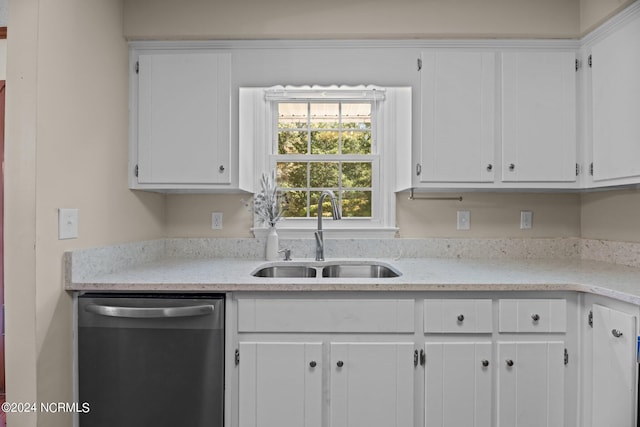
x=371 y=384
x=613 y=401
x=280 y=384
x=531 y=389
x=458 y=384
x=438 y=362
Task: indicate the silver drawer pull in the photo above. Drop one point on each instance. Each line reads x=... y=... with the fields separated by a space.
x=616 y=333
x=509 y=362
x=461 y=318
x=485 y=363
x=149 y=312
x=535 y=317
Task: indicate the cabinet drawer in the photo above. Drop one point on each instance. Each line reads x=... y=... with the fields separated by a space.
x=458 y=315
x=533 y=315
x=325 y=315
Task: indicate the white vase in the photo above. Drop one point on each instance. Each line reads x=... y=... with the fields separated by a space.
x=272 y=244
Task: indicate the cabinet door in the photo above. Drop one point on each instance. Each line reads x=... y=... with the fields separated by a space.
x=616 y=105
x=458 y=380
x=613 y=401
x=458 y=116
x=184 y=103
x=531 y=384
x=539 y=117
x=280 y=384
x=372 y=385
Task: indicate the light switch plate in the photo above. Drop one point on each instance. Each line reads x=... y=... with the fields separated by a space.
x=67 y=224
x=464 y=220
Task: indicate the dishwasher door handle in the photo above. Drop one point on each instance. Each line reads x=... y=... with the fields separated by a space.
x=149 y=312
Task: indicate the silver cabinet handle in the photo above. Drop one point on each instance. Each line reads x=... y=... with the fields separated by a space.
x=535 y=317
x=149 y=312
x=509 y=362
x=221 y=168
x=313 y=364
x=485 y=363
x=616 y=333
x=340 y=363
x=512 y=167
x=461 y=318
x=489 y=167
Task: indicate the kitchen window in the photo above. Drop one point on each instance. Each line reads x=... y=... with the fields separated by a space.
x=326 y=146
x=343 y=139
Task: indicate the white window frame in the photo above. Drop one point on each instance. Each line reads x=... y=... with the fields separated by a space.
x=391 y=134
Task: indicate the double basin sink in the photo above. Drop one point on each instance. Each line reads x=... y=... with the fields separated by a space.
x=351 y=269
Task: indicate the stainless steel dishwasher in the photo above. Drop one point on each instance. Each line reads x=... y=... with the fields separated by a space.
x=151 y=360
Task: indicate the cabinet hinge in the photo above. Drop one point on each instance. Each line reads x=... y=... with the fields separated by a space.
x=419 y=64
x=137 y=67
x=418 y=169
x=566 y=357
x=590 y=318
x=423 y=358
x=135 y=171
x=590 y=61
x=577 y=169
x=577 y=65
x=415 y=358
x=591 y=169
x=237 y=357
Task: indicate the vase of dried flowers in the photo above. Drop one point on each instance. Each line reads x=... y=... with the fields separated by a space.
x=269 y=206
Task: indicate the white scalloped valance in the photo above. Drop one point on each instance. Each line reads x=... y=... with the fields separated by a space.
x=324 y=93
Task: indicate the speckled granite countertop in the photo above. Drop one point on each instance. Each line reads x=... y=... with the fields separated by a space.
x=170 y=266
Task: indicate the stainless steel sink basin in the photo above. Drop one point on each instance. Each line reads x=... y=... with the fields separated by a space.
x=334 y=269
x=286 y=271
x=364 y=270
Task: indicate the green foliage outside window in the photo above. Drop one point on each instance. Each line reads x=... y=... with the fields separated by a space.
x=326 y=131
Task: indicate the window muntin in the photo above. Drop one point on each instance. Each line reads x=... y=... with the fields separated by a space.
x=326 y=146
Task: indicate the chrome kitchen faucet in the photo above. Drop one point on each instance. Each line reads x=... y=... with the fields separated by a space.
x=335 y=211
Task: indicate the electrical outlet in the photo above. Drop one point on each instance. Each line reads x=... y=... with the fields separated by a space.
x=464 y=220
x=67 y=224
x=526 y=220
x=216 y=220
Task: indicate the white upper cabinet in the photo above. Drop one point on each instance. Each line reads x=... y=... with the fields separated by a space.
x=458 y=116
x=615 y=85
x=539 y=117
x=497 y=119
x=181 y=121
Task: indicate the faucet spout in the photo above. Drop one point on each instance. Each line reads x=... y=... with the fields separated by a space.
x=335 y=213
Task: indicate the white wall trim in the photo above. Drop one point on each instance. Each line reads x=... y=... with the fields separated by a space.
x=612 y=25
x=560 y=44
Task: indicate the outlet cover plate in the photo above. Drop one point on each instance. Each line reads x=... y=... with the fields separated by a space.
x=216 y=220
x=526 y=220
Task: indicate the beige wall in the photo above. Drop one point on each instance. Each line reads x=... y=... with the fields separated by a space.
x=189 y=215
x=595 y=12
x=611 y=215
x=492 y=215
x=66 y=147
x=350 y=19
